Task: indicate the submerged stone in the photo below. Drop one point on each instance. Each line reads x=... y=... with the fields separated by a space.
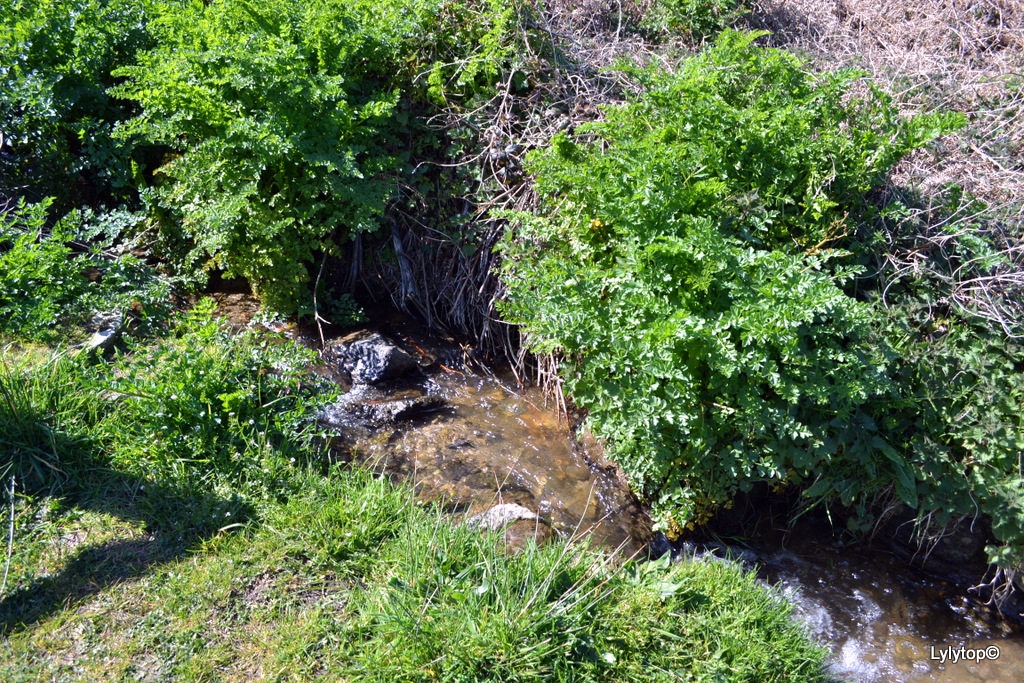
x=501 y=516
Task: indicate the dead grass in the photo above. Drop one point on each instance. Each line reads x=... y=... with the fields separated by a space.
x=956 y=55
x=965 y=56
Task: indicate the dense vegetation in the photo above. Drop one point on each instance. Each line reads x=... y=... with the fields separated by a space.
x=57 y=116
x=736 y=288
x=695 y=272
x=706 y=267
x=53 y=277
x=148 y=144
x=183 y=483
x=282 y=119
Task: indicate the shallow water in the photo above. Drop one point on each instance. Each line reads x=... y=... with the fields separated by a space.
x=490 y=444
x=883 y=620
x=498 y=445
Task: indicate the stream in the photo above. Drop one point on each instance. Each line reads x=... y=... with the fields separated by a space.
x=471 y=440
x=882 y=619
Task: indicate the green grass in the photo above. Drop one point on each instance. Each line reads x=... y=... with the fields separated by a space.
x=42 y=407
x=351 y=580
x=242 y=555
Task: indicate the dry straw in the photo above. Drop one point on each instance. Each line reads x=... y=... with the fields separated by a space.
x=956 y=55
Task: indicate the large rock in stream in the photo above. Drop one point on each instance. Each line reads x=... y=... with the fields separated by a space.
x=370 y=358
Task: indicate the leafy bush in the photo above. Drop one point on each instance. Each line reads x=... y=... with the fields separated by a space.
x=956 y=414
x=282 y=120
x=342 y=309
x=474 y=44
x=955 y=407
x=56 y=116
x=695 y=19
x=46 y=285
x=687 y=274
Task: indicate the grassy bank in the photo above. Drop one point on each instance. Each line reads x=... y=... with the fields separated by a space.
x=171 y=522
x=350 y=581
x=754 y=259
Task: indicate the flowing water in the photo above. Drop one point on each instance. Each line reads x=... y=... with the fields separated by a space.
x=487 y=444
x=883 y=620
x=492 y=443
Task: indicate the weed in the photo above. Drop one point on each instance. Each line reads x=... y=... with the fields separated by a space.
x=44 y=420
x=50 y=282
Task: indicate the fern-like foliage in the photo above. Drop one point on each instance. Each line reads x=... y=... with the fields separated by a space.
x=694 y=271
x=280 y=121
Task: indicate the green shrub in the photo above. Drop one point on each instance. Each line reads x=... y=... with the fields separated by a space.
x=697 y=20
x=955 y=412
x=953 y=409
x=48 y=285
x=474 y=44
x=689 y=273
x=56 y=116
x=282 y=119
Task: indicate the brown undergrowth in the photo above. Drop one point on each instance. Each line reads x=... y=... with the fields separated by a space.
x=964 y=56
x=561 y=75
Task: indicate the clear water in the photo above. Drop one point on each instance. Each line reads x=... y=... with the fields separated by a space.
x=883 y=620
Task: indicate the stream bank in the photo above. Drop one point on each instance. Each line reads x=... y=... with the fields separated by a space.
x=474 y=441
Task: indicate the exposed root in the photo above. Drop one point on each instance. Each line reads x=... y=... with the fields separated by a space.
x=449 y=276
x=999 y=588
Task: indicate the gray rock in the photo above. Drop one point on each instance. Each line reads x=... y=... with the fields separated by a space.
x=106 y=327
x=370 y=358
x=366 y=410
x=500 y=516
x=382 y=413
